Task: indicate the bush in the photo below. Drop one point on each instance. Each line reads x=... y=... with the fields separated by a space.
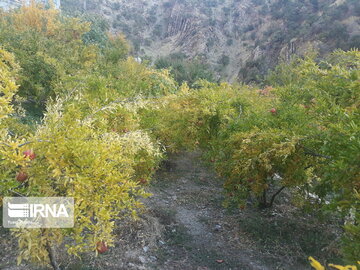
x=224 y=60
x=88 y=145
x=184 y=70
x=302 y=134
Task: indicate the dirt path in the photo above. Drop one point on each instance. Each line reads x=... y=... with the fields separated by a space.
x=199 y=234
x=185 y=227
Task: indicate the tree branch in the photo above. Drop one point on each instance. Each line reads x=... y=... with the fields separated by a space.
x=17 y=193
x=270 y=204
x=5 y=144
x=26 y=143
x=313 y=153
x=52 y=257
x=119 y=101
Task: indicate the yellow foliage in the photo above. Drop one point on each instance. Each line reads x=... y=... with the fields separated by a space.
x=135 y=78
x=314 y=263
x=34 y=16
x=119 y=41
x=184 y=120
x=71 y=30
x=77 y=157
x=8 y=86
x=347 y=267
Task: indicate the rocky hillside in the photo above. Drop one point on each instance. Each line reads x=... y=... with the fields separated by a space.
x=240 y=39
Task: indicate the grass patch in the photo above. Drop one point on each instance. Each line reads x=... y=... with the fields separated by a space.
x=178 y=235
x=290 y=237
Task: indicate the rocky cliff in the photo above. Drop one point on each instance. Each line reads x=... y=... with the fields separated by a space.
x=240 y=39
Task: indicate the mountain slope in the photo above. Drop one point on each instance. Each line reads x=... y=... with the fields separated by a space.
x=240 y=39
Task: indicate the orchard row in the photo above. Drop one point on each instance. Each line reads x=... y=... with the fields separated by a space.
x=109 y=121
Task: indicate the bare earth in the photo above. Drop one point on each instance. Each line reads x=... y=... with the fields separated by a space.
x=200 y=233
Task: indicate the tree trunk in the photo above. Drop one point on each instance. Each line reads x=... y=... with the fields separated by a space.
x=274 y=196
x=52 y=258
x=263 y=203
